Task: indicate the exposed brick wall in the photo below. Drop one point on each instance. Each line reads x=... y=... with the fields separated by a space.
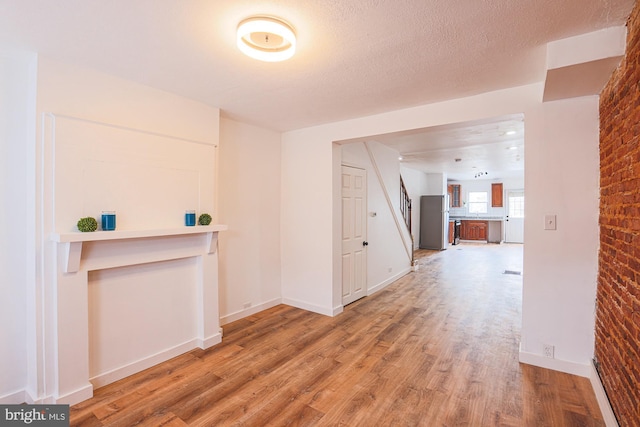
x=617 y=347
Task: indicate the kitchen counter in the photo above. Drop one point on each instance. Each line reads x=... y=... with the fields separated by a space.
x=478 y=218
x=487 y=228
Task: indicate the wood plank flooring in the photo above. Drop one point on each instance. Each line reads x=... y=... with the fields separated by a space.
x=439 y=347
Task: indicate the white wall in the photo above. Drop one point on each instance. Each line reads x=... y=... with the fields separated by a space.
x=437 y=184
x=17 y=141
x=560 y=153
x=560 y=267
x=387 y=258
x=306 y=222
x=249 y=173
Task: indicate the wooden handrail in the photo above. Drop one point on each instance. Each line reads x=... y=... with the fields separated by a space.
x=405 y=205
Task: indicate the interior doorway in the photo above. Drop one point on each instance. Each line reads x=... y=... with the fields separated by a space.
x=354 y=234
x=514 y=220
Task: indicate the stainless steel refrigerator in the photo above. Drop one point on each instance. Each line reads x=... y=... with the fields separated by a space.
x=434 y=222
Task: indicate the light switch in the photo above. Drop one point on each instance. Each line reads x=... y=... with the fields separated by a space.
x=549 y=222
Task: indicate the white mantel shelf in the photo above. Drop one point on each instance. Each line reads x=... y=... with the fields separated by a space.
x=133 y=234
x=73 y=240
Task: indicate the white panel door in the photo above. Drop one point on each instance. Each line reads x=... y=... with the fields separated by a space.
x=354 y=234
x=514 y=222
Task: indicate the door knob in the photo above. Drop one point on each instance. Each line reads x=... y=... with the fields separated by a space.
x=365 y=243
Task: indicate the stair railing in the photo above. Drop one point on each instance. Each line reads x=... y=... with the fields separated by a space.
x=405 y=205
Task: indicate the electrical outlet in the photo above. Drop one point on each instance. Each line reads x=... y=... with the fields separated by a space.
x=547 y=350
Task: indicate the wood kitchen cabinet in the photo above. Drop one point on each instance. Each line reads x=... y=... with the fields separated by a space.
x=455 y=195
x=474 y=230
x=451 y=231
x=496 y=195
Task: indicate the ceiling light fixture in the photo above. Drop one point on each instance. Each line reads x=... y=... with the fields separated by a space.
x=266 y=39
x=480 y=174
x=511 y=132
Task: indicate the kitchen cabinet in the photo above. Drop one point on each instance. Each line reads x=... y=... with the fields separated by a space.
x=455 y=195
x=451 y=231
x=496 y=195
x=474 y=230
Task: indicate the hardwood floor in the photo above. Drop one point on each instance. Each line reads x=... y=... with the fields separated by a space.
x=439 y=347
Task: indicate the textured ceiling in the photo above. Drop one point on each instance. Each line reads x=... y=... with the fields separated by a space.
x=493 y=147
x=354 y=57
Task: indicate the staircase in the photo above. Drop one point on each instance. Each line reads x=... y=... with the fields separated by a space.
x=405 y=205
x=405 y=209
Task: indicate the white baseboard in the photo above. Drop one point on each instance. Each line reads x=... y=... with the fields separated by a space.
x=15 y=398
x=142 y=364
x=603 y=401
x=327 y=311
x=249 y=311
x=555 y=364
x=587 y=371
x=23 y=396
x=76 y=396
x=209 y=341
x=337 y=310
x=31 y=399
x=113 y=375
x=388 y=281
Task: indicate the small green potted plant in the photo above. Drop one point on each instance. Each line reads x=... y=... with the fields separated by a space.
x=204 y=219
x=87 y=224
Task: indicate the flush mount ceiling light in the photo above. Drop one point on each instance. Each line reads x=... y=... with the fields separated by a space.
x=266 y=39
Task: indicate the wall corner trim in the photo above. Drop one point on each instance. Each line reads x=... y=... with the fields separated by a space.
x=603 y=401
x=327 y=311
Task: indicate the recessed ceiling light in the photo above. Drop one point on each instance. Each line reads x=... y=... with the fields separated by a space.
x=511 y=132
x=266 y=38
x=512 y=148
x=399 y=157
